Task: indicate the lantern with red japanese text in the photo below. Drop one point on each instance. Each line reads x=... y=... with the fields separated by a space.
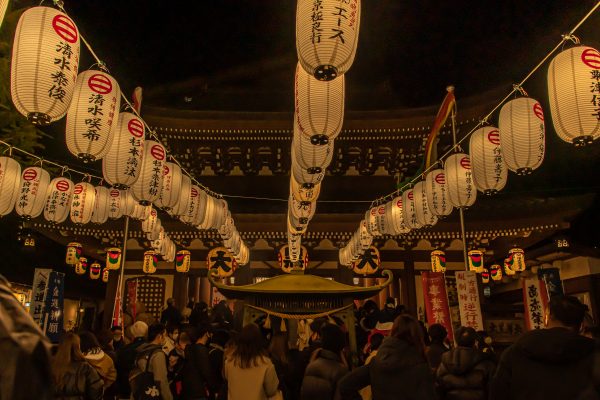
x=438 y=261
x=93 y=115
x=485 y=276
x=116 y=204
x=194 y=205
x=475 y=258
x=489 y=170
x=33 y=191
x=74 y=250
x=82 y=205
x=574 y=94
x=397 y=215
x=171 y=187
x=436 y=192
x=58 y=202
x=423 y=213
x=149 y=223
x=516 y=259
x=150 y=262
x=368 y=263
x=327 y=36
x=285 y=262
x=222 y=261
x=95 y=270
x=105 y=275
x=10 y=180
x=409 y=209
x=459 y=179
x=522 y=134
x=148 y=185
x=113 y=258
x=44 y=64
x=184 y=199
x=496 y=272
x=82 y=266
x=183 y=260
x=101 y=205
x=121 y=165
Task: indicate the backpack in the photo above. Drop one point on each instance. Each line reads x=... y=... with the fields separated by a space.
x=143 y=385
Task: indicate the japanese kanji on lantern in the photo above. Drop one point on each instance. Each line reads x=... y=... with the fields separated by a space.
x=475 y=259
x=302 y=210
x=319 y=107
x=82 y=266
x=95 y=270
x=113 y=258
x=116 y=204
x=522 y=135
x=148 y=185
x=496 y=272
x=286 y=264
x=516 y=259
x=489 y=170
x=58 y=201
x=93 y=115
x=73 y=254
x=574 y=94
x=423 y=213
x=436 y=192
x=183 y=260
x=149 y=223
x=121 y=165
x=33 y=191
x=371 y=221
x=101 y=205
x=304 y=194
x=327 y=36
x=368 y=263
x=10 y=180
x=222 y=261
x=150 y=262
x=409 y=209
x=181 y=206
x=459 y=180
x=171 y=187
x=190 y=215
x=44 y=64
x=105 y=275
x=398 y=216
x=82 y=205
x=438 y=261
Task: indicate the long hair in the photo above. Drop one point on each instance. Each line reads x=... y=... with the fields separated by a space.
x=248 y=350
x=67 y=352
x=407 y=328
x=279 y=349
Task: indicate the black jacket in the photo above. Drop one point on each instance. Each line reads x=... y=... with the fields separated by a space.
x=464 y=374
x=398 y=372
x=170 y=316
x=197 y=375
x=322 y=376
x=434 y=354
x=125 y=363
x=81 y=382
x=545 y=364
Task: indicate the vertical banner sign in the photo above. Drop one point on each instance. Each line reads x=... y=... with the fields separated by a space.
x=54 y=304
x=132 y=297
x=535 y=299
x=216 y=296
x=551 y=277
x=436 y=300
x=468 y=300
x=117 y=319
x=40 y=281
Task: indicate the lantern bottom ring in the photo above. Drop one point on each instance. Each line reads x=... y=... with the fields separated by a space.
x=314 y=170
x=308 y=185
x=325 y=72
x=39 y=119
x=584 y=140
x=524 y=171
x=319 y=140
x=144 y=203
x=86 y=158
x=490 y=192
x=120 y=186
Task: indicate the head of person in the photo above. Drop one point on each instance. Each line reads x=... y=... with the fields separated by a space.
x=183 y=340
x=407 y=328
x=139 y=329
x=117 y=333
x=171 y=302
x=105 y=338
x=220 y=337
x=376 y=341
x=565 y=312
x=88 y=342
x=466 y=337
x=279 y=348
x=315 y=328
x=202 y=333
x=68 y=351
x=173 y=331
x=249 y=347
x=157 y=334
x=390 y=304
x=437 y=333
x=332 y=338
x=370 y=307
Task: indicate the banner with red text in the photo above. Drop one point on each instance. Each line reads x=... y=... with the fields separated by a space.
x=468 y=300
x=436 y=300
x=117 y=316
x=535 y=300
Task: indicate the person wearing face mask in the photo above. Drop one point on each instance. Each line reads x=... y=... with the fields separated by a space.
x=171 y=339
x=198 y=378
x=117 y=334
x=152 y=353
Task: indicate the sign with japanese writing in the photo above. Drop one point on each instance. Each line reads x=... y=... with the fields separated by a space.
x=40 y=281
x=468 y=300
x=535 y=300
x=436 y=300
x=368 y=263
x=285 y=262
x=132 y=287
x=53 y=306
x=222 y=261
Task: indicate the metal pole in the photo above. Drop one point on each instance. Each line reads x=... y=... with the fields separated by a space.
x=461 y=212
x=122 y=274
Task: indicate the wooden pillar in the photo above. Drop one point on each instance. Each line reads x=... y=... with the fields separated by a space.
x=205 y=290
x=109 y=299
x=180 y=290
x=197 y=290
x=383 y=294
x=409 y=292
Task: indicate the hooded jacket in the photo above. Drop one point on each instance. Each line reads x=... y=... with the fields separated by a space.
x=545 y=364
x=322 y=376
x=398 y=372
x=104 y=365
x=81 y=382
x=464 y=374
x=158 y=366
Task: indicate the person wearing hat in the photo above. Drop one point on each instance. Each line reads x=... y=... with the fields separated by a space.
x=126 y=357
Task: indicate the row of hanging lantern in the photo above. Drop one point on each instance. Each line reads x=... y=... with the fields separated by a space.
x=74 y=257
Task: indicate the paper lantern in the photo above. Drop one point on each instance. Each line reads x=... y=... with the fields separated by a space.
x=222 y=261
x=150 y=262
x=371 y=221
x=327 y=36
x=95 y=270
x=475 y=260
x=496 y=272
x=82 y=266
x=184 y=198
x=105 y=275
x=574 y=94
x=3 y=7
x=183 y=260
x=148 y=185
x=397 y=216
x=140 y=212
x=409 y=210
x=516 y=259
x=422 y=212
x=121 y=165
x=74 y=250
x=44 y=64
x=369 y=263
x=319 y=107
x=485 y=276
x=149 y=223
x=459 y=180
x=116 y=203
x=82 y=205
x=113 y=258
x=489 y=170
x=436 y=191
x=304 y=194
x=522 y=135
x=438 y=261
x=101 y=205
x=33 y=191
x=171 y=187
x=309 y=162
x=93 y=115
x=285 y=262
x=58 y=201
x=10 y=180
x=194 y=206
x=304 y=211
x=508 y=271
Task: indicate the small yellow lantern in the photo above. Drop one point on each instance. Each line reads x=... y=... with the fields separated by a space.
x=105 y=275
x=496 y=272
x=73 y=253
x=113 y=258
x=221 y=260
x=368 y=263
x=508 y=271
x=517 y=259
x=485 y=276
x=438 y=261
x=150 y=262
x=183 y=259
x=285 y=262
x=475 y=258
x=81 y=266
x=95 y=270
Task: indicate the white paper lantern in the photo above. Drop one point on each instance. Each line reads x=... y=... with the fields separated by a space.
x=319 y=107
x=121 y=165
x=489 y=170
x=574 y=94
x=33 y=191
x=193 y=205
x=400 y=227
x=82 y=206
x=3 y=7
x=409 y=210
x=58 y=202
x=522 y=134
x=93 y=115
x=149 y=223
x=10 y=180
x=141 y=212
x=44 y=64
x=459 y=180
x=171 y=186
x=303 y=210
x=101 y=205
x=116 y=204
x=422 y=212
x=436 y=191
x=147 y=188
x=184 y=197
x=327 y=36
x=304 y=194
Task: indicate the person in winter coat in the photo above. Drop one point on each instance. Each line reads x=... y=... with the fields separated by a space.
x=126 y=356
x=465 y=372
x=98 y=359
x=327 y=368
x=175 y=364
x=551 y=363
x=375 y=344
x=437 y=334
x=74 y=378
x=197 y=375
x=216 y=354
x=170 y=315
x=399 y=371
x=249 y=372
x=157 y=359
